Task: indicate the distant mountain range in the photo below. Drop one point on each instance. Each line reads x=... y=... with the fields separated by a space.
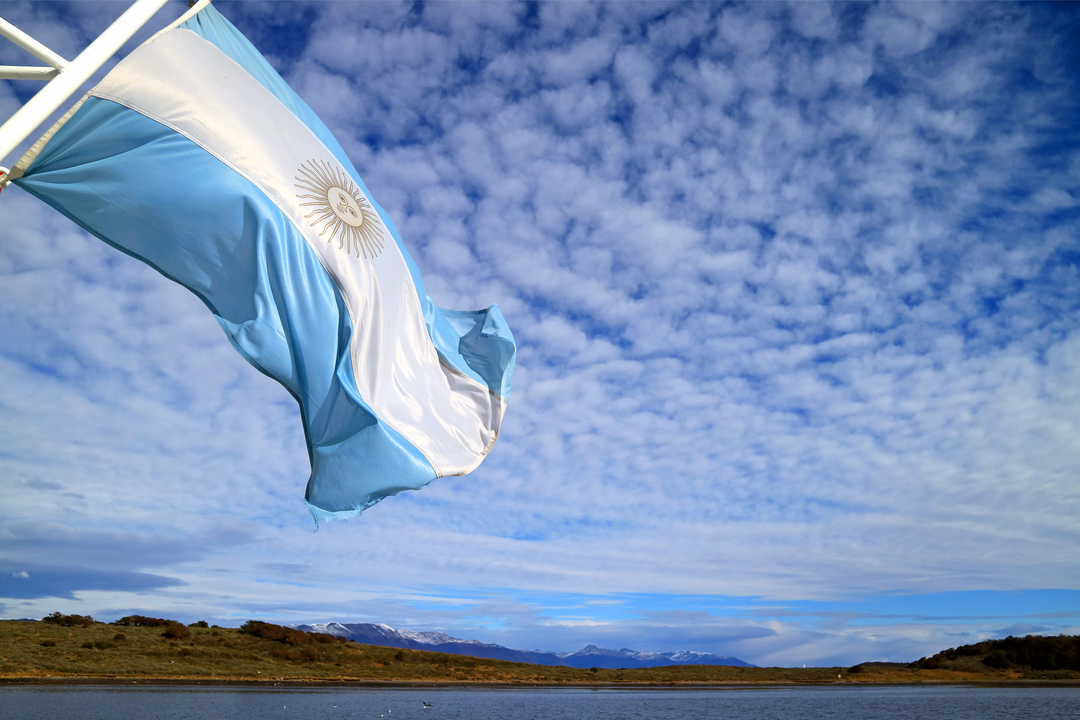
x=589 y=657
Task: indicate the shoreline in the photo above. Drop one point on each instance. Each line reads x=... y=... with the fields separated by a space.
x=52 y=654
x=302 y=684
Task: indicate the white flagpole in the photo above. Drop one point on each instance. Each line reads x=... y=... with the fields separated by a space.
x=66 y=77
x=25 y=72
x=57 y=64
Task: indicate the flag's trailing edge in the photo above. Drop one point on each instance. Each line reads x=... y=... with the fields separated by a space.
x=195 y=157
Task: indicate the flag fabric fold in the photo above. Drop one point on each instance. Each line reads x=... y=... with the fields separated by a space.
x=195 y=157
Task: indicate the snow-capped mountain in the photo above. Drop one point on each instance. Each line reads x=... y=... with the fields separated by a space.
x=588 y=657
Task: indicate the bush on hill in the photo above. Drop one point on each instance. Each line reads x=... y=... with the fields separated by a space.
x=176 y=631
x=142 y=620
x=277 y=633
x=287 y=635
x=58 y=618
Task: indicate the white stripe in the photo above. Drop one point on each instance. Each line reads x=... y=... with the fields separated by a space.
x=189 y=85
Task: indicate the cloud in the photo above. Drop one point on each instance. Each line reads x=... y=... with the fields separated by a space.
x=795 y=289
x=63 y=581
x=48 y=542
x=1021 y=629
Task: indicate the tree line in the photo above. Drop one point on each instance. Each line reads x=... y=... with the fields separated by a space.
x=1038 y=652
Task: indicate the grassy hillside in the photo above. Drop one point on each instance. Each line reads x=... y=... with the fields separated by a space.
x=260 y=652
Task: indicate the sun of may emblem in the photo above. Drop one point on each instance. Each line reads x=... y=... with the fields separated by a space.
x=337 y=201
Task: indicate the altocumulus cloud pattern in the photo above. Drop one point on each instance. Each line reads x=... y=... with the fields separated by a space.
x=795 y=293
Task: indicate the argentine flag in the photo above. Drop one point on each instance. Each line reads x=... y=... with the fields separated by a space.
x=194 y=156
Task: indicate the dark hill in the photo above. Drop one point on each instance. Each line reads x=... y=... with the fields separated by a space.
x=1033 y=652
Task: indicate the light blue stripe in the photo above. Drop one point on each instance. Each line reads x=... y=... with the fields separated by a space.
x=484 y=342
x=159 y=197
x=481 y=357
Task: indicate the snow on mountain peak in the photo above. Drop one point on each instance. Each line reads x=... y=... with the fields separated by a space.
x=589 y=656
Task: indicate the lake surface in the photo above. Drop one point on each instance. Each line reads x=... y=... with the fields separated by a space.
x=798 y=703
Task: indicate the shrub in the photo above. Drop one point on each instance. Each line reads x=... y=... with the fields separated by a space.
x=277 y=633
x=119 y=636
x=200 y=623
x=68 y=620
x=143 y=621
x=176 y=631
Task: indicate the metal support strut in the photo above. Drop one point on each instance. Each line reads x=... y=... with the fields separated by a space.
x=63 y=77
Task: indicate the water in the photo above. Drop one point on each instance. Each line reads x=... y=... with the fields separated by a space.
x=799 y=703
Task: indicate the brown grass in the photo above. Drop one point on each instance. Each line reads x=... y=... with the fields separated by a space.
x=37 y=650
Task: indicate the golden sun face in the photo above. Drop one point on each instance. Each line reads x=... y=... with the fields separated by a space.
x=337 y=202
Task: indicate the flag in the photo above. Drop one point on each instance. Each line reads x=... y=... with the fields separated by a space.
x=194 y=156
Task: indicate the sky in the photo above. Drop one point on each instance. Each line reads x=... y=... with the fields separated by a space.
x=795 y=290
